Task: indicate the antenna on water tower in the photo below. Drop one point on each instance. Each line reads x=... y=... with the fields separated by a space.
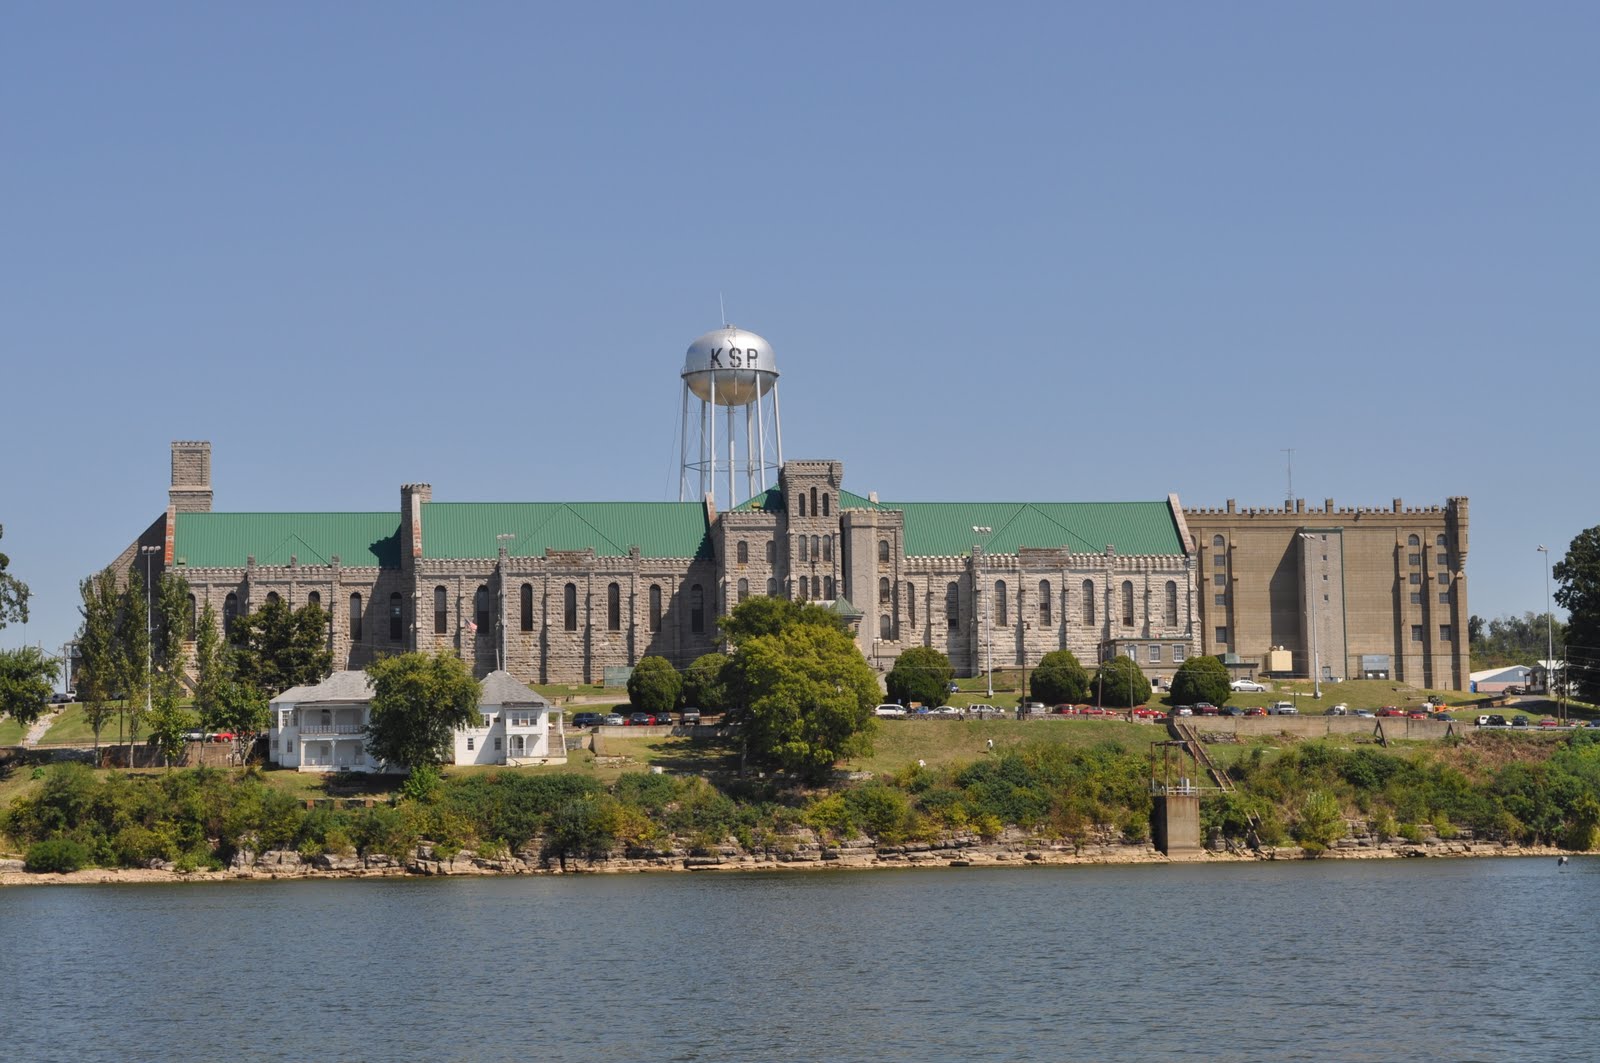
x=733 y=369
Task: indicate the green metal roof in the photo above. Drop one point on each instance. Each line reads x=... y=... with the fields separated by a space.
x=771 y=501
x=944 y=529
x=457 y=530
x=227 y=540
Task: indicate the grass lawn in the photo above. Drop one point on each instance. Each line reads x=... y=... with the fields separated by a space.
x=72 y=727
x=900 y=743
x=11 y=732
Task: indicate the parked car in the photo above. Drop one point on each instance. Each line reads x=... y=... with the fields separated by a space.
x=948 y=711
x=1516 y=688
x=1249 y=686
x=1340 y=709
x=1549 y=721
x=1256 y=710
x=1230 y=710
x=66 y=698
x=222 y=736
x=1283 y=708
x=1418 y=714
x=587 y=719
x=983 y=711
x=1183 y=710
x=1391 y=710
x=194 y=736
x=890 y=712
x=689 y=717
x=1205 y=708
x=613 y=719
x=641 y=719
x=951 y=687
x=1519 y=720
x=1492 y=720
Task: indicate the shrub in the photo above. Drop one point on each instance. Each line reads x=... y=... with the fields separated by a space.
x=1060 y=678
x=56 y=855
x=1201 y=679
x=654 y=685
x=920 y=674
x=705 y=683
x=1121 y=683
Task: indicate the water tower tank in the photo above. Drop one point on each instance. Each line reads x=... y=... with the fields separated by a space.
x=730 y=366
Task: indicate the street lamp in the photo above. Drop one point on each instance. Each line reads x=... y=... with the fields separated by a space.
x=149 y=553
x=1549 y=624
x=1316 y=657
x=988 y=646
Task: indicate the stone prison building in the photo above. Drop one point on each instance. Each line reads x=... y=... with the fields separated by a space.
x=557 y=592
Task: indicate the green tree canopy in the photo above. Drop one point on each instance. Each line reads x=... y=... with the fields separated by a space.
x=767 y=616
x=1579 y=594
x=13 y=593
x=1059 y=679
x=811 y=697
x=705 y=682
x=275 y=648
x=654 y=685
x=418 y=702
x=1201 y=679
x=920 y=674
x=96 y=675
x=1120 y=683
x=26 y=675
x=1507 y=640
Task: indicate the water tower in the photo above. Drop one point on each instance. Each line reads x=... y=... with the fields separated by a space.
x=732 y=369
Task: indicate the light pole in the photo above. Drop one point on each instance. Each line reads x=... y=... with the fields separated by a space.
x=988 y=647
x=1316 y=657
x=1549 y=625
x=149 y=553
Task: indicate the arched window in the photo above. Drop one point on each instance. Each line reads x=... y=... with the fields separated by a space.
x=1413 y=541
x=613 y=607
x=314 y=598
x=480 y=606
x=397 y=617
x=824 y=504
x=744 y=589
x=230 y=613
x=952 y=605
x=1170 y=610
x=192 y=617
x=697 y=609
x=883 y=590
x=805 y=588
x=1000 y=616
x=1218 y=541
x=801 y=495
x=816 y=546
x=1088 y=601
x=827 y=591
x=1044 y=603
x=883 y=626
x=655 y=607
x=802 y=547
x=273 y=599
x=883 y=551
x=441 y=611
x=772 y=552
x=1438 y=540
x=813 y=501
x=772 y=587
x=827 y=545
x=526 y=607
x=911 y=604
x=1127 y=603
x=569 y=606
x=355 y=617
x=744 y=552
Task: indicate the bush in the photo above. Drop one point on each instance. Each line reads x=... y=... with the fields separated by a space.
x=654 y=685
x=920 y=674
x=705 y=683
x=1060 y=678
x=1120 y=683
x=1201 y=679
x=56 y=855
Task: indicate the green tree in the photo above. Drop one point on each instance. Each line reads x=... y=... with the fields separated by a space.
x=920 y=674
x=13 y=593
x=275 y=648
x=705 y=683
x=1121 y=683
x=653 y=687
x=1508 y=640
x=1320 y=822
x=26 y=675
x=768 y=616
x=167 y=723
x=1579 y=594
x=133 y=655
x=211 y=668
x=418 y=702
x=1059 y=679
x=811 y=697
x=98 y=660
x=1201 y=679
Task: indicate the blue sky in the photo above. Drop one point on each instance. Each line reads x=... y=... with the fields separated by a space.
x=1009 y=252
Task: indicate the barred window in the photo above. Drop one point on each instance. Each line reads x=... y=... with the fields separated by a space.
x=1088 y=601
x=441 y=611
x=1127 y=603
x=355 y=615
x=1000 y=610
x=744 y=552
x=952 y=605
x=527 y=607
x=655 y=607
x=1171 y=603
x=613 y=607
x=744 y=589
x=697 y=609
x=569 y=606
x=1044 y=603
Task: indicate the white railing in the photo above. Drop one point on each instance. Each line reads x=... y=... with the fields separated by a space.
x=332 y=729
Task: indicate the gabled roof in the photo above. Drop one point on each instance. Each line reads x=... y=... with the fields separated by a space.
x=340 y=687
x=459 y=530
x=944 y=529
x=771 y=501
x=227 y=540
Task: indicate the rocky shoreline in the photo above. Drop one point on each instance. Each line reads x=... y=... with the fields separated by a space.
x=803 y=855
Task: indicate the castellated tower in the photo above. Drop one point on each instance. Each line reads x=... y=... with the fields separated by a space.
x=191 y=477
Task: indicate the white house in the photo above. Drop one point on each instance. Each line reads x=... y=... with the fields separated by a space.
x=322 y=727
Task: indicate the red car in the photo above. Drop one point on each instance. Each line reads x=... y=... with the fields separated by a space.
x=1391 y=710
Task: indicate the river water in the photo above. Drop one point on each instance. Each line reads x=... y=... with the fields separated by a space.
x=1482 y=959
